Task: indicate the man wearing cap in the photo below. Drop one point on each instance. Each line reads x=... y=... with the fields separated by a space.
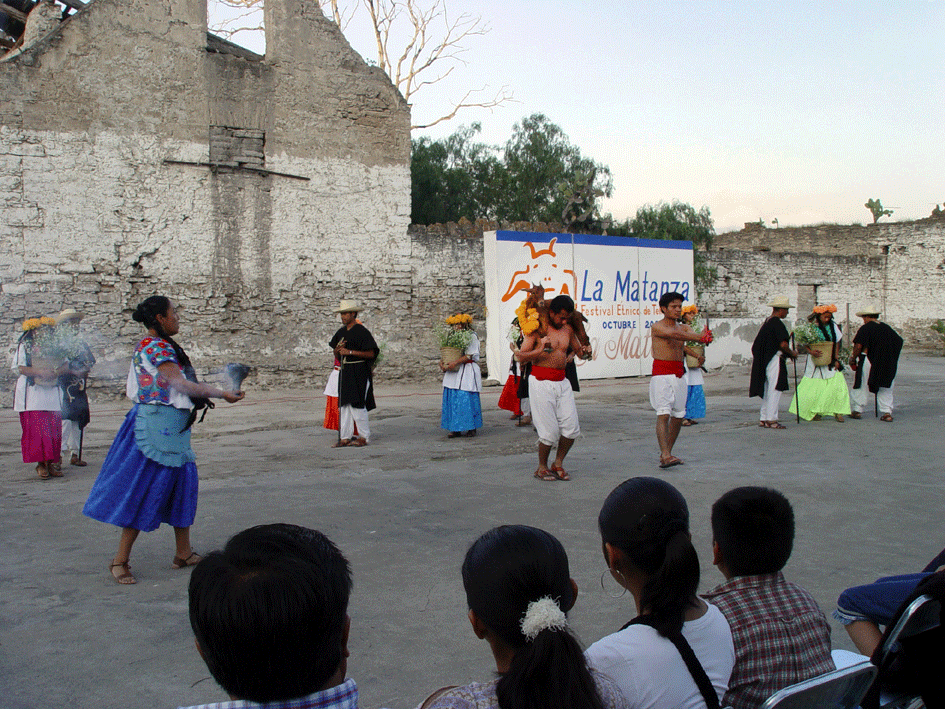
x=356 y=350
x=876 y=350
x=768 y=371
x=75 y=401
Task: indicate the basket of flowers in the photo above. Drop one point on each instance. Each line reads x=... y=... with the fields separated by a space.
x=809 y=335
x=454 y=341
x=46 y=351
x=691 y=318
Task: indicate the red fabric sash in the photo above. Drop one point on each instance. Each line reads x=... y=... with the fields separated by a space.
x=549 y=374
x=664 y=366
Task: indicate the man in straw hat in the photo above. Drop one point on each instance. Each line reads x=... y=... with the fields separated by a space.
x=356 y=350
x=75 y=401
x=876 y=349
x=768 y=371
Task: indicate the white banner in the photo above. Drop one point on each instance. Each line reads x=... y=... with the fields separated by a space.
x=615 y=281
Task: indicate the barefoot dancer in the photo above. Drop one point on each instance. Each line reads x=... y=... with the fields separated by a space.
x=553 y=411
x=668 y=388
x=149 y=475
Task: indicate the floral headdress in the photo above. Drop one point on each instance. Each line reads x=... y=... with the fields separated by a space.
x=33 y=323
x=459 y=319
x=825 y=309
x=694 y=309
x=527 y=318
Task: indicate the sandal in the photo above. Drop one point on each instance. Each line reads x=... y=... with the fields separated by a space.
x=470 y=434
x=341 y=443
x=191 y=560
x=454 y=434
x=771 y=424
x=358 y=442
x=560 y=473
x=125 y=578
x=545 y=475
x=55 y=468
x=42 y=471
x=886 y=417
x=856 y=415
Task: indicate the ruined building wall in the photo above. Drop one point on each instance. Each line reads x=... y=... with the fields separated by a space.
x=94 y=216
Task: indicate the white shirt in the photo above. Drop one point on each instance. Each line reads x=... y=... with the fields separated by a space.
x=650 y=671
x=36 y=397
x=468 y=377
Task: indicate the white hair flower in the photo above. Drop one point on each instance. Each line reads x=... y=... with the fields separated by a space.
x=542 y=614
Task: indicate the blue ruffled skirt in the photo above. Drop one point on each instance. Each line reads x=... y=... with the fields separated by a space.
x=462 y=410
x=695 y=402
x=135 y=491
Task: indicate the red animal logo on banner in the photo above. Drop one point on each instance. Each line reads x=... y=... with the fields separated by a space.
x=556 y=281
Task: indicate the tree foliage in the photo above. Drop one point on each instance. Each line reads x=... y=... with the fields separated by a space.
x=677 y=221
x=537 y=176
x=876 y=208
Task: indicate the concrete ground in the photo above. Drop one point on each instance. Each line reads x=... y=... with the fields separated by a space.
x=868 y=497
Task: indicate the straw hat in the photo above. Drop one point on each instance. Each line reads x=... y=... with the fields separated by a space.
x=869 y=310
x=67 y=315
x=780 y=302
x=348 y=306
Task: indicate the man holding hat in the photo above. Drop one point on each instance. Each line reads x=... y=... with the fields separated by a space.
x=75 y=401
x=876 y=349
x=356 y=350
x=768 y=371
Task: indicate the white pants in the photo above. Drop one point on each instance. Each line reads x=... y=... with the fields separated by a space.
x=349 y=415
x=668 y=395
x=859 y=397
x=772 y=399
x=553 y=411
x=526 y=406
x=70 y=435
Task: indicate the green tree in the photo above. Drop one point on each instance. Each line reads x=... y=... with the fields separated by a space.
x=876 y=208
x=677 y=221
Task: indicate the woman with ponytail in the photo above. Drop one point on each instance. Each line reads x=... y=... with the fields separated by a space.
x=678 y=650
x=149 y=475
x=518 y=589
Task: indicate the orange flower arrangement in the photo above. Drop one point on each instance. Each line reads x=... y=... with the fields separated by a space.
x=527 y=318
x=825 y=308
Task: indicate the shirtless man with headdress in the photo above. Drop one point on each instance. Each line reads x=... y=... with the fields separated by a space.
x=554 y=414
x=668 y=388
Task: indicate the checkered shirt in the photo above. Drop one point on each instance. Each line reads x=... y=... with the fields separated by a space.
x=344 y=696
x=781 y=636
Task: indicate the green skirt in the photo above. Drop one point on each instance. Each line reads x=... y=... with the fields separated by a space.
x=825 y=397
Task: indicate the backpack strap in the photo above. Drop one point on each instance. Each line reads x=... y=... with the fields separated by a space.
x=689 y=657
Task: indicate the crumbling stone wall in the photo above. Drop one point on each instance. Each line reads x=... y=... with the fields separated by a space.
x=108 y=194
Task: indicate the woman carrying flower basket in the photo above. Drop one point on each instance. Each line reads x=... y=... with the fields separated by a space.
x=695 y=396
x=823 y=390
x=509 y=398
x=462 y=379
x=37 y=397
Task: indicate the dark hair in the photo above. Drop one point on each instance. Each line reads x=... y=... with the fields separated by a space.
x=559 y=303
x=269 y=612
x=648 y=520
x=668 y=298
x=504 y=570
x=754 y=528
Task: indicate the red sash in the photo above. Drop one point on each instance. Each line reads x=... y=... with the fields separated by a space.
x=664 y=366
x=549 y=374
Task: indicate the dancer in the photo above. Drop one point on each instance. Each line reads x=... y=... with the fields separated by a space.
x=667 y=386
x=509 y=399
x=332 y=421
x=355 y=350
x=695 y=394
x=519 y=590
x=823 y=390
x=768 y=371
x=37 y=397
x=462 y=381
x=149 y=475
x=644 y=527
x=876 y=349
x=553 y=410
x=75 y=400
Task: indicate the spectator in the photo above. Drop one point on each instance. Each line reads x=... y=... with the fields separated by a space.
x=781 y=635
x=269 y=614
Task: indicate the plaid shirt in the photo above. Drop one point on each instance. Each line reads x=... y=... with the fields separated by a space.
x=781 y=636
x=344 y=696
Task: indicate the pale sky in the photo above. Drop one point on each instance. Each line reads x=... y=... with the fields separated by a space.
x=795 y=111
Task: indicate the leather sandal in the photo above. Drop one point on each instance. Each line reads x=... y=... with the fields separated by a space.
x=42 y=471
x=125 y=578
x=191 y=560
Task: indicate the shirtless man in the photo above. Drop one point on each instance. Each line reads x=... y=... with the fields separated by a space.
x=553 y=411
x=667 y=386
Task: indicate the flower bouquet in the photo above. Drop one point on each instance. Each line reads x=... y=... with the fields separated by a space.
x=46 y=351
x=453 y=342
x=809 y=335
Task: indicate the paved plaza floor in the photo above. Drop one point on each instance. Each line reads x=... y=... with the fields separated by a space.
x=868 y=498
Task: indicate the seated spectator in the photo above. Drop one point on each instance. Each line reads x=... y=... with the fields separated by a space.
x=862 y=609
x=519 y=590
x=677 y=652
x=269 y=614
x=781 y=635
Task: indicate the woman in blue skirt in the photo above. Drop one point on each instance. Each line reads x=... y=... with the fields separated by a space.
x=462 y=382
x=149 y=475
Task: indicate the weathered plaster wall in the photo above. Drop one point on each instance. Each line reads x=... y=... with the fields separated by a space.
x=93 y=216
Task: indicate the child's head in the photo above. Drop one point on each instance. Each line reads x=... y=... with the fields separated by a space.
x=753 y=531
